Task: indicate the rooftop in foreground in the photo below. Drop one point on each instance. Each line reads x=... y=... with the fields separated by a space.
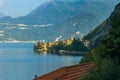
x=67 y=73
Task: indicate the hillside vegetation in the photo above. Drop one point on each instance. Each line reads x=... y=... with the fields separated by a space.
x=107 y=55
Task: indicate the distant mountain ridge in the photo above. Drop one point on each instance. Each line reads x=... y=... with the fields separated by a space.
x=60 y=10
x=62 y=17
x=2 y=15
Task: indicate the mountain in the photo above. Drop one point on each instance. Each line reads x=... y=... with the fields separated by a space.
x=60 y=10
x=2 y=15
x=99 y=33
x=106 y=53
x=82 y=23
x=56 y=18
x=102 y=31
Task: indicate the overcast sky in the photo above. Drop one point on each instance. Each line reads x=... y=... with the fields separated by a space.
x=17 y=8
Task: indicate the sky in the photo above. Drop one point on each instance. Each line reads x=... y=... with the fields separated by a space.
x=16 y=8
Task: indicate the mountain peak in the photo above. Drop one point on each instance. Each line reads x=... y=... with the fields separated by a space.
x=57 y=18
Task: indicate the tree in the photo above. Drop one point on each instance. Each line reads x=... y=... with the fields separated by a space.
x=77 y=45
x=107 y=57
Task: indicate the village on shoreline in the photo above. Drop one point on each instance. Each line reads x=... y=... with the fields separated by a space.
x=69 y=46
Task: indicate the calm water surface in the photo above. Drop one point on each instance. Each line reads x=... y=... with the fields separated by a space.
x=19 y=62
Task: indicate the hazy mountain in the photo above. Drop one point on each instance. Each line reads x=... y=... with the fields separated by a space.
x=57 y=18
x=1 y=15
x=60 y=10
x=82 y=23
x=99 y=33
x=102 y=30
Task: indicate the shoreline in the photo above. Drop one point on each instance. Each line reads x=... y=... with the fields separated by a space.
x=62 y=52
x=71 y=52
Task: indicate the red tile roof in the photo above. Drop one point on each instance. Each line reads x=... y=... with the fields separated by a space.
x=67 y=73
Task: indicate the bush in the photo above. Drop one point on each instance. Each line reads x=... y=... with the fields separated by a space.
x=106 y=70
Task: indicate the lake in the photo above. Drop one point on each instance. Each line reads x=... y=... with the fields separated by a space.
x=20 y=62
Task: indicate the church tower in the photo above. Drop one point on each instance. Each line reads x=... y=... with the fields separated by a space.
x=72 y=38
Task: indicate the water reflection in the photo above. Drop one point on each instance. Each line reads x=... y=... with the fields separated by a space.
x=38 y=52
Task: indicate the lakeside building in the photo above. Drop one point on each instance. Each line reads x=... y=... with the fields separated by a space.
x=45 y=46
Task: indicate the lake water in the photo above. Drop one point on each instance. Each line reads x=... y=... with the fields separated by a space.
x=20 y=62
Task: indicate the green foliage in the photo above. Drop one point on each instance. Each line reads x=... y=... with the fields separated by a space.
x=112 y=48
x=77 y=45
x=59 y=46
x=112 y=44
x=107 y=70
x=94 y=55
x=107 y=56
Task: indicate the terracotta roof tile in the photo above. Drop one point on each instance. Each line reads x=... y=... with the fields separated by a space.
x=67 y=73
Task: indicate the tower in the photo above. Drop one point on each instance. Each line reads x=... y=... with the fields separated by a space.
x=72 y=38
